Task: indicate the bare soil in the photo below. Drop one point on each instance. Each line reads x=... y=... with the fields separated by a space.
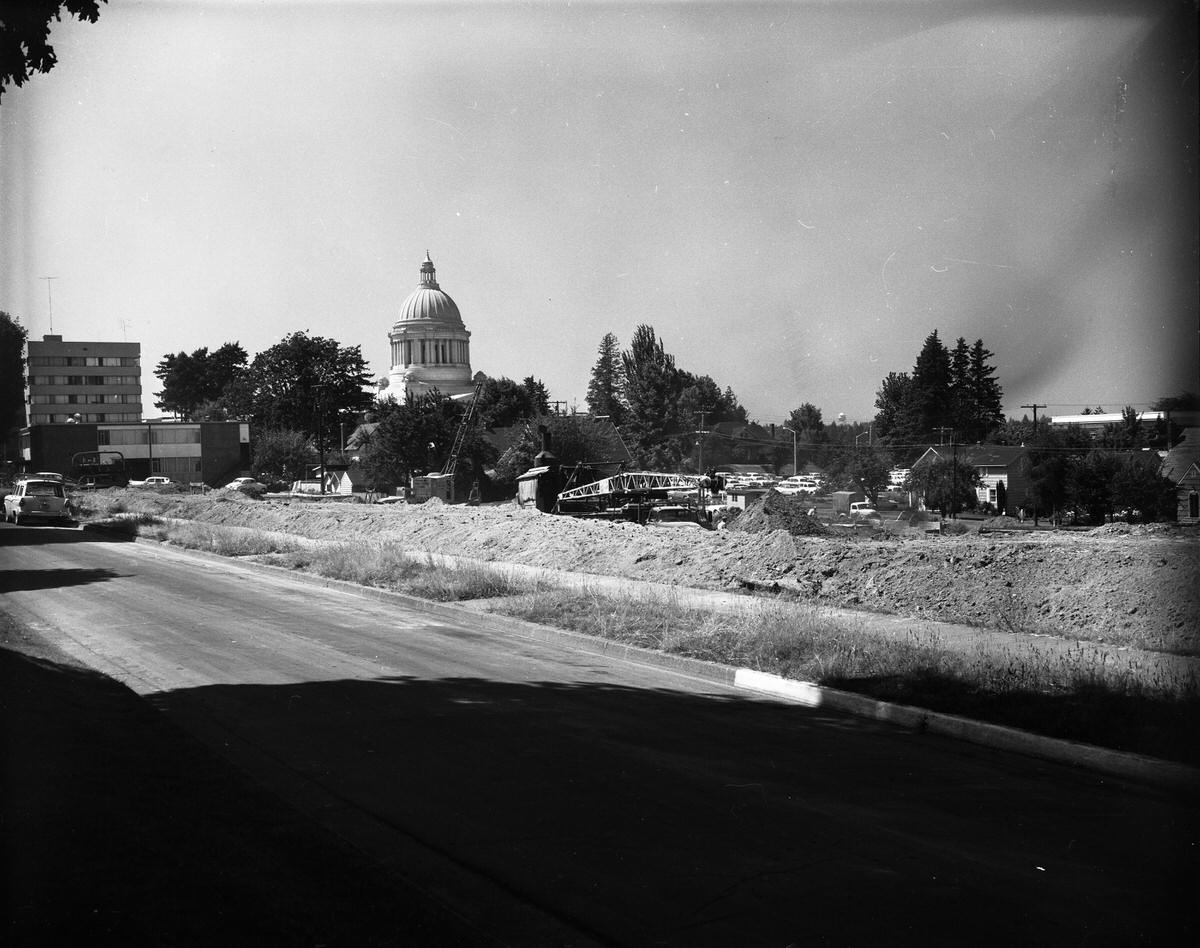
x=1136 y=586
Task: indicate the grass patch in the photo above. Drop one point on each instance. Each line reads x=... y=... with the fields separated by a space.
x=389 y=567
x=1070 y=696
x=134 y=525
x=225 y=541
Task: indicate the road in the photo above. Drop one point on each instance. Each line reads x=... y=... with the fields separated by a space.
x=555 y=797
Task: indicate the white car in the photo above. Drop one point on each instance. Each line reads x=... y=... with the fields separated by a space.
x=238 y=483
x=863 y=509
x=158 y=480
x=36 y=499
x=798 y=485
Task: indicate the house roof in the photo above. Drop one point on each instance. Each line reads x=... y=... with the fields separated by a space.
x=1183 y=456
x=978 y=455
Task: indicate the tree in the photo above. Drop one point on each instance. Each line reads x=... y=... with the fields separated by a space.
x=946 y=390
x=539 y=395
x=894 y=420
x=503 y=403
x=986 y=396
x=947 y=484
x=308 y=384
x=201 y=378
x=1139 y=485
x=25 y=35
x=1166 y=431
x=652 y=425
x=1049 y=464
x=606 y=389
x=413 y=438
x=806 y=422
x=12 y=382
x=281 y=454
x=574 y=439
x=931 y=401
x=868 y=470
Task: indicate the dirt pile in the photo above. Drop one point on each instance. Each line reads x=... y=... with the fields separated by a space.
x=1139 y=588
x=775 y=511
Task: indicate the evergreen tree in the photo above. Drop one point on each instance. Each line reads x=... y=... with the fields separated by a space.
x=986 y=396
x=605 y=393
x=539 y=395
x=651 y=391
x=931 y=397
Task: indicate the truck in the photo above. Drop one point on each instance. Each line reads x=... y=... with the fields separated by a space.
x=842 y=499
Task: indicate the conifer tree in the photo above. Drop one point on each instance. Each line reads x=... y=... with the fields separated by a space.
x=605 y=394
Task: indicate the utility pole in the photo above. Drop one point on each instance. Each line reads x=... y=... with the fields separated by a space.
x=1035 y=406
x=50 y=299
x=795 y=459
x=700 y=443
x=942 y=434
x=953 y=478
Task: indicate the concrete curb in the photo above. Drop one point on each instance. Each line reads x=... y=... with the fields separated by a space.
x=1165 y=775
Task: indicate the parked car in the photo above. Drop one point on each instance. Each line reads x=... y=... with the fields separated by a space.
x=241 y=483
x=158 y=480
x=798 y=485
x=863 y=509
x=36 y=499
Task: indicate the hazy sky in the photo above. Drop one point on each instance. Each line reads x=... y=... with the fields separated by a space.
x=793 y=194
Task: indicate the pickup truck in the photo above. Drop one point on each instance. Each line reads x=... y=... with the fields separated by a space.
x=158 y=480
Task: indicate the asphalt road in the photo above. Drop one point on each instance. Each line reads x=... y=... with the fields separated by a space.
x=553 y=797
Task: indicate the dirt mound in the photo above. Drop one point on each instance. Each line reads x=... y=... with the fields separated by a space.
x=775 y=511
x=1000 y=523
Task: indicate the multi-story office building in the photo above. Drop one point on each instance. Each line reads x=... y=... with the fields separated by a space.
x=83 y=382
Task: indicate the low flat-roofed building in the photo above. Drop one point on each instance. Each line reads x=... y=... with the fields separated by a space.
x=212 y=452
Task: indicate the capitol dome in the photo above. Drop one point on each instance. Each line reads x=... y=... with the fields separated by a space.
x=428 y=300
x=431 y=347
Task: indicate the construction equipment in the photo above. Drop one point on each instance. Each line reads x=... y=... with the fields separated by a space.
x=441 y=484
x=630 y=495
x=464 y=427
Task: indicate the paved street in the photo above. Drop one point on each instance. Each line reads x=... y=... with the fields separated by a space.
x=550 y=797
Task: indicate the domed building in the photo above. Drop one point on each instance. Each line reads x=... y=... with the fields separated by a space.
x=431 y=348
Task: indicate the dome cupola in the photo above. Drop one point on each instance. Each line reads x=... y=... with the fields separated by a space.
x=431 y=347
x=428 y=300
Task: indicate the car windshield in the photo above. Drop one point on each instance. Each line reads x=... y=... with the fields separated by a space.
x=44 y=488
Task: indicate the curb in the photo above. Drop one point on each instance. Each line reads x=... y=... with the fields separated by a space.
x=1165 y=775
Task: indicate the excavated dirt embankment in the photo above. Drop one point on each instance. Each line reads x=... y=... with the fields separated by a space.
x=1138 y=586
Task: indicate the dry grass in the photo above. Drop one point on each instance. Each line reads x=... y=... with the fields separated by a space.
x=1071 y=695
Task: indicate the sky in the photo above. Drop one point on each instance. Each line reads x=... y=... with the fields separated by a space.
x=794 y=195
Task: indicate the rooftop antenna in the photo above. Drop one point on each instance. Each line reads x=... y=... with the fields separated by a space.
x=125 y=329
x=50 y=296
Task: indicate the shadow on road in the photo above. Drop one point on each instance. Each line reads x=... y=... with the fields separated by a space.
x=43 y=534
x=120 y=829
x=668 y=818
x=650 y=816
x=14 y=580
